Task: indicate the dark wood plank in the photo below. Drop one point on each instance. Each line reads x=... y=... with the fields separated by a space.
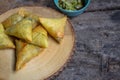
x=104 y=5
x=97 y=47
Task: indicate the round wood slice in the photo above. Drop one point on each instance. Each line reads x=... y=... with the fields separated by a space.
x=47 y=63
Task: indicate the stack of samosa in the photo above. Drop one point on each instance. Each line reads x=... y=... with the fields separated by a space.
x=30 y=34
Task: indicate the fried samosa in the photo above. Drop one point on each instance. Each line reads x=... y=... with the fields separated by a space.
x=13 y=19
x=22 y=30
x=34 y=18
x=19 y=45
x=26 y=54
x=34 y=23
x=26 y=13
x=39 y=37
x=1 y=28
x=54 y=26
x=5 y=41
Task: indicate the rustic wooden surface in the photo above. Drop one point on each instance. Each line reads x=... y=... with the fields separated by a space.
x=97 y=50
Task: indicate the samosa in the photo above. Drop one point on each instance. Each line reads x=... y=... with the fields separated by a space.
x=11 y=20
x=54 y=26
x=34 y=18
x=34 y=23
x=22 y=30
x=25 y=54
x=26 y=13
x=5 y=41
x=39 y=37
x=19 y=45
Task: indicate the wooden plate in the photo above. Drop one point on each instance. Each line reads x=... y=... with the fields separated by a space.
x=47 y=63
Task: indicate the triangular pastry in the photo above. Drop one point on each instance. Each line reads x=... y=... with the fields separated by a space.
x=22 y=30
x=34 y=23
x=27 y=53
x=13 y=19
x=5 y=41
x=54 y=26
x=34 y=18
x=19 y=45
x=39 y=37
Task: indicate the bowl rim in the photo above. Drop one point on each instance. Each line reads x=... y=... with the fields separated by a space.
x=83 y=8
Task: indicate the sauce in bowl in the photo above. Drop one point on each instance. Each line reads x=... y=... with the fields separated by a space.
x=71 y=4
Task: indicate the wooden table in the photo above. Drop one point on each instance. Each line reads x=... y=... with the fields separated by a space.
x=97 y=50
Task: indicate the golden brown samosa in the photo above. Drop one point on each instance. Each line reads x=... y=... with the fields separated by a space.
x=22 y=30
x=26 y=54
x=34 y=23
x=1 y=28
x=34 y=18
x=5 y=41
x=19 y=45
x=13 y=19
x=39 y=37
x=26 y=13
x=55 y=27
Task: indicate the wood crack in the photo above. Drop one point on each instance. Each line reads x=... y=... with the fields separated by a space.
x=106 y=9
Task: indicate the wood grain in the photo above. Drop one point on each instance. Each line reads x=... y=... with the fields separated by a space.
x=47 y=63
